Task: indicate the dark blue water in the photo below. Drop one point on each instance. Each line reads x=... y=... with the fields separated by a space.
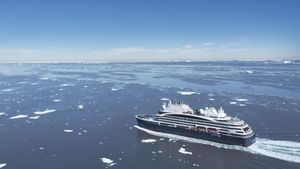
x=82 y=115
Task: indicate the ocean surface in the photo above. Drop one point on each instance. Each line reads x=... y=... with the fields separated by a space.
x=79 y=115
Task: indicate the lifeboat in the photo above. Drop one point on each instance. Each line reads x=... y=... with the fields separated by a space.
x=213 y=131
x=201 y=128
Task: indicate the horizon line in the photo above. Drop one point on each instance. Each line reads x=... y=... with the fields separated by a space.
x=145 y=61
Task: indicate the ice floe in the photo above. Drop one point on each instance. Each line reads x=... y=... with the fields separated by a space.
x=20 y=116
x=66 y=84
x=241 y=100
x=44 y=112
x=165 y=99
x=3 y=165
x=115 y=89
x=7 y=90
x=34 y=117
x=148 y=141
x=287 y=62
x=186 y=93
x=183 y=151
x=107 y=161
x=80 y=106
x=44 y=78
x=68 y=131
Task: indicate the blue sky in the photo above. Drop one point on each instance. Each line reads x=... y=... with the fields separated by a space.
x=94 y=30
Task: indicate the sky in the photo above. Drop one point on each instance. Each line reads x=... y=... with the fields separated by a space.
x=148 y=30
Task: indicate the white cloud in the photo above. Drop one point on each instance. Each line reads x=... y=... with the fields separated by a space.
x=200 y=51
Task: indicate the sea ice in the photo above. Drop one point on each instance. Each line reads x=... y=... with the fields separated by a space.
x=66 y=84
x=34 y=117
x=196 y=165
x=148 y=141
x=287 y=61
x=165 y=99
x=44 y=112
x=241 y=100
x=20 y=116
x=185 y=93
x=44 y=78
x=68 y=131
x=107 y=161
x=3 y=165
x=7 y=90
x=183 y=151
x=115 y=89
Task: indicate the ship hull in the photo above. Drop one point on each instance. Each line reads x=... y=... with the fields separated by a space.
x=224 y=139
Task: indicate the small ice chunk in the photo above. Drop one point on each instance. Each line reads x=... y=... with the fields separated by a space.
x=7 y=90
x=44 y=112
x=20 y=116
x=68 y=131
x=241 y=100
x=107 y=161
x=2 y=113
x=34 y=117
x=232 y=102
x=287 y=62
x=148 y=141
x=56 y=100
x=211 y=99
x=3 y=165
x=183 y=151
x=242 y=105
x=114 y=89
x=249 y=71
x=66 y=84
x=185 y=93
x=165 y=99
x=80 y=106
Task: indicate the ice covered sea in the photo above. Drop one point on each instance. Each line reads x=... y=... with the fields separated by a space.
x=82 y=115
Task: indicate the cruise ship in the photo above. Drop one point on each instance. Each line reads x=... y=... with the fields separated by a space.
x=207 y=124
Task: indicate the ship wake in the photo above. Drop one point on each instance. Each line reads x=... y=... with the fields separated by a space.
x=279 y=149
